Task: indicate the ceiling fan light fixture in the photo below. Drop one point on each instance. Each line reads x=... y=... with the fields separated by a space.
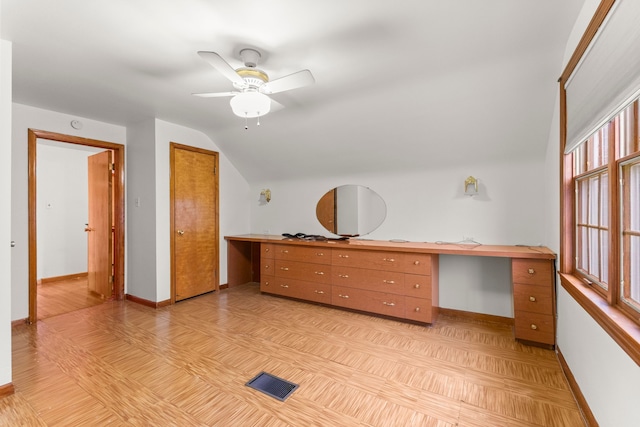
x=250 y=104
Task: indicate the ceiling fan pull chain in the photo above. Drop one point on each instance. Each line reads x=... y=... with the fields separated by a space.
x=246 y=123
x=258 y=124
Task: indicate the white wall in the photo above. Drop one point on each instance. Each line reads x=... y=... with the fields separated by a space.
x=141 y=212
x=5 y=212
x=430 y=206
x=23 y=118
x=234 y=199
x=606 y=375
x=62 y=209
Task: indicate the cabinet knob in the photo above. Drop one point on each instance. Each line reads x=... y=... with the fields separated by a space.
x=343 y=296
x=390 y=304
x=389 y=282
x=267 y=250
x=266 y=283
x=416 y=262
x=284 y=268
x=318 y=292
x=417 y=286
x=531 y=271
x=319 y=273
x=266 y=267
x=533 y=326
x=532 y=299
x=417 y=310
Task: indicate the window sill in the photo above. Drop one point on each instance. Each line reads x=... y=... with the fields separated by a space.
x=616 y=323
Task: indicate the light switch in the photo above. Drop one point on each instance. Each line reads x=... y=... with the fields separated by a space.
x=137 y=202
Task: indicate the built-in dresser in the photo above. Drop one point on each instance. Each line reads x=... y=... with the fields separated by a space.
x=387 y=278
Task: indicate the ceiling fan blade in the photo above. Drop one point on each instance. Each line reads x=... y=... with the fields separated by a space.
x=292 y=81
x=276 y=106
x=215 y=94
x=222 y=66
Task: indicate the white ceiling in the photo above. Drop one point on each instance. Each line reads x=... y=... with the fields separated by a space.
x=404 y=84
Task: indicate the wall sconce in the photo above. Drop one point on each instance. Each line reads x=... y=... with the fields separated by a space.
x=471 y=186
x=265 y=196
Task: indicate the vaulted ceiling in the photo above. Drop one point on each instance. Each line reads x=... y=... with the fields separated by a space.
x=400 y=85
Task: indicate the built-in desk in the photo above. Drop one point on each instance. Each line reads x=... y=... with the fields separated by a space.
x=388 y=278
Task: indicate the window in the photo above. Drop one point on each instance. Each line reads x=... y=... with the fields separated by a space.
x=600 y=168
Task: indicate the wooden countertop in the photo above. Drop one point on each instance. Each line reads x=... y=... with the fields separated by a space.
x=506 y=251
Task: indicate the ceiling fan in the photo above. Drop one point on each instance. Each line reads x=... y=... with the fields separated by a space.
x=252 y=84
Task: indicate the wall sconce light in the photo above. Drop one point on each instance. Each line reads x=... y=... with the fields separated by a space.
x=265 y=196
x=471 y=186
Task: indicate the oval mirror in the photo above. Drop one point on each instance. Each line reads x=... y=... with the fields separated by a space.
x=351 y=210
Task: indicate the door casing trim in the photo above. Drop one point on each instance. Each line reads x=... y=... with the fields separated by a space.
x=118 y=206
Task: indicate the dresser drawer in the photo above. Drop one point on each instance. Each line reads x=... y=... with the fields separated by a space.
x=317 y=292
x=535 y=327
x=266 y=250
x=532 y=272
x=267 y=267
x=371 y=280
x=417 y=263
x=373 y=302
x=303 y=271
x=303 y=254
x=533 y=298
x=418 y=309
x=266 y=283
x=374 y=260
x=417 y=286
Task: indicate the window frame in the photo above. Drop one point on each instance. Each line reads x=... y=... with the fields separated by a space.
x=604 y=307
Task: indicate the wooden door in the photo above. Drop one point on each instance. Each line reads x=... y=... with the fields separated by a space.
x=194 y=219
x=99 y=228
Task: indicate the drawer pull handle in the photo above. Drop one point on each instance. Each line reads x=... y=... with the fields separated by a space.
x=390 y=304
x=531 y=271
x=417 y=286
x=284 y=268
x=389 y=259
x=343 y=296
x=389 y=282
x=320 y=253
x=344 y=276
x=284 y=286
x=319 y=292
x=266 y=283
x=533 y=326
x=319 y=273
x=532 y=299
x=343 y=256
x=266 y=267
x=417 y=310
x=267 y=250
x=416 y=262
x=284 y=251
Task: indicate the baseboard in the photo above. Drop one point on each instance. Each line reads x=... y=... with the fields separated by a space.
x=45 y=280
x=224 y=286
x=6 y=390
x=18 y=322
x=146 y=302
x=587 y=415
x=467 y=315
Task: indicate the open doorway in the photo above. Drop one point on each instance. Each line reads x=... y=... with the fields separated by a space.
x=111 y=212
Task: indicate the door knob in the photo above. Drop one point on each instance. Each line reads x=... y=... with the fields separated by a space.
x=13 y=243
x=181 y=232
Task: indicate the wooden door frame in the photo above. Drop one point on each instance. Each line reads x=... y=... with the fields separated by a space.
x=118 y=206
x=172 y=147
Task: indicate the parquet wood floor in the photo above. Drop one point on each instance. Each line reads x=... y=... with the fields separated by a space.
x=64 y=296
x=124 y=364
